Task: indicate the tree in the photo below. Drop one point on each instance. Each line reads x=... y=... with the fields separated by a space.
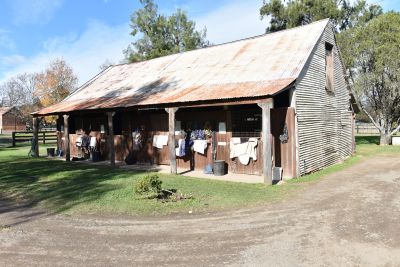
x=376 y=72
x=342 y=13
x=162 y=35
x=55 y=83
x=107 y=63
x=369 y=43
x=19 y=91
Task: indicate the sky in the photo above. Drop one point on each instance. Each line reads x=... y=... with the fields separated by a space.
x=87 y=33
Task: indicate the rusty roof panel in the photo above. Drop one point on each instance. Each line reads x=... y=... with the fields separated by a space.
x=254 y=67
x=4 y=110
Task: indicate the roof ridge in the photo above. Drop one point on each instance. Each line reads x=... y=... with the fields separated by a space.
x=225 y=43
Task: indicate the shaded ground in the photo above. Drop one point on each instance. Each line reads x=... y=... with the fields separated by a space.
x=350 y=218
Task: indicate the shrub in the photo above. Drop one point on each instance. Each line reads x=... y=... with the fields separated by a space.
x=149 y=186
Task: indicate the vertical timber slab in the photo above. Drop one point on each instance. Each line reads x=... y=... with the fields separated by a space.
x=36 y=135
x=58 y=133
x=266 y=139
x=111 y=146
x=171 y=139
x=66 y=139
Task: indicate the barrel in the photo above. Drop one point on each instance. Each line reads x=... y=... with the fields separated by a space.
x=219 y=167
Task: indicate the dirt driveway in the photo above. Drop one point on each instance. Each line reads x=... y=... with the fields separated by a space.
x=351 y=218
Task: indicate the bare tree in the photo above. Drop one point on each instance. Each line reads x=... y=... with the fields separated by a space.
x=18 y=91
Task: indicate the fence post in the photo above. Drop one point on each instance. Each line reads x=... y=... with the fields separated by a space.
x=13 y=139
x=44 y=138
x=36 y=136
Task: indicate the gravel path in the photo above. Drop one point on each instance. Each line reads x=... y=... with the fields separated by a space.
x=351 y=218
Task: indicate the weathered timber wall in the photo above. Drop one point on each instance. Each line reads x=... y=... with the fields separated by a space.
x=324 y=119
x=9 y=122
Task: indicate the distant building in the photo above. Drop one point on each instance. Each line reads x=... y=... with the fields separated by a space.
x=11 y=120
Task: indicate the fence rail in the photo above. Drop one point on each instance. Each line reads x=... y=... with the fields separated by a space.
x=26 y=136
x=366 y=128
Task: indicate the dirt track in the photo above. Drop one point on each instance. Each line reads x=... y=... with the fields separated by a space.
x=351 y=218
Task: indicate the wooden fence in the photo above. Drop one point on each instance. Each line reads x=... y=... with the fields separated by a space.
x=26 y=136
x=366 y=128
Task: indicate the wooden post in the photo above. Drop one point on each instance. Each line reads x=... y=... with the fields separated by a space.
x=36 y=136
x=58 y=132
x=44 y=138
x=266 y=139
x=171 y=139
x=111 y=149
x=66 y=139
x=13 y=139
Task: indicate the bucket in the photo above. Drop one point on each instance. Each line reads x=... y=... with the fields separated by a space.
x=51 y=152
x=95 y=156
x=219 y=167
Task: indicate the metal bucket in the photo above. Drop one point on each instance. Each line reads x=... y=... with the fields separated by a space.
x=95 y=156
x=219 y=167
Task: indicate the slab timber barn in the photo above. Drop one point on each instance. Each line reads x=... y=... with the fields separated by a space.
x=285 y=91
x=11 y=120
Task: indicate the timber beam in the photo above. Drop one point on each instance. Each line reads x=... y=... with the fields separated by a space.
x=171 y=139
x=35 y=125
x=267 y=140
x=66 y=138
x=111 y=145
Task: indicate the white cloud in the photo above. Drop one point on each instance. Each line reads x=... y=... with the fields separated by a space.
x=84 y=53
x=34 y=11
x=5 y=41
x=12 y=60
x=235 y=20
x=100 y=42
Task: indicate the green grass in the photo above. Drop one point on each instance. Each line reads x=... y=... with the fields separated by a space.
x=84 y=189
x=76 y=188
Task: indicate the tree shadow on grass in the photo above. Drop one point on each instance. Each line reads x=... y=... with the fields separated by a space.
x=58 y=185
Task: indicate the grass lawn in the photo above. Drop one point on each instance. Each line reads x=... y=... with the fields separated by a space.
x=75 y=188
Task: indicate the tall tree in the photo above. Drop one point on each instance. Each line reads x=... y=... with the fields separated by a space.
x=344 y=14
x=362 y=42
x=375 y=49
x=19 y=91
x=55 y=83
x=162 y=35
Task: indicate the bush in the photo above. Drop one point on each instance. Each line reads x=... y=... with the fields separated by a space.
x=149 y=186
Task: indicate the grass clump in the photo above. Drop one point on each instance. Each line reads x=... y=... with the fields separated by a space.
x=148 y=186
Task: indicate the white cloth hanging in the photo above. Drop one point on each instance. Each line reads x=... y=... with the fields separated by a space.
x=160 y=140
x=244 y=151
x=199 y=146
x=79 y=141
x=235 y=140
x=93 y=141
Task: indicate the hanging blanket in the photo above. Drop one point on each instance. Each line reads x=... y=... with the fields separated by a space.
x=160 y=140
x=199 y=146
x=180 y=150
x=244 y=151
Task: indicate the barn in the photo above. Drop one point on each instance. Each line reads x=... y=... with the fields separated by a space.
x=272 y=104
x=11 y=120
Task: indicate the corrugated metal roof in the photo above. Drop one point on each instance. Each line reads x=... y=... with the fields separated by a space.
x=4 y=110
x=254 y=67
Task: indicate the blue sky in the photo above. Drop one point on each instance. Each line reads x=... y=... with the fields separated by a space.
x=86 y=33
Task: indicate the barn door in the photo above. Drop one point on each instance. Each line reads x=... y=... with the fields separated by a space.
x=283 y=132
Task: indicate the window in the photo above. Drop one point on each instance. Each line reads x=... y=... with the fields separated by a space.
x=329 y=67
x=246 y=122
